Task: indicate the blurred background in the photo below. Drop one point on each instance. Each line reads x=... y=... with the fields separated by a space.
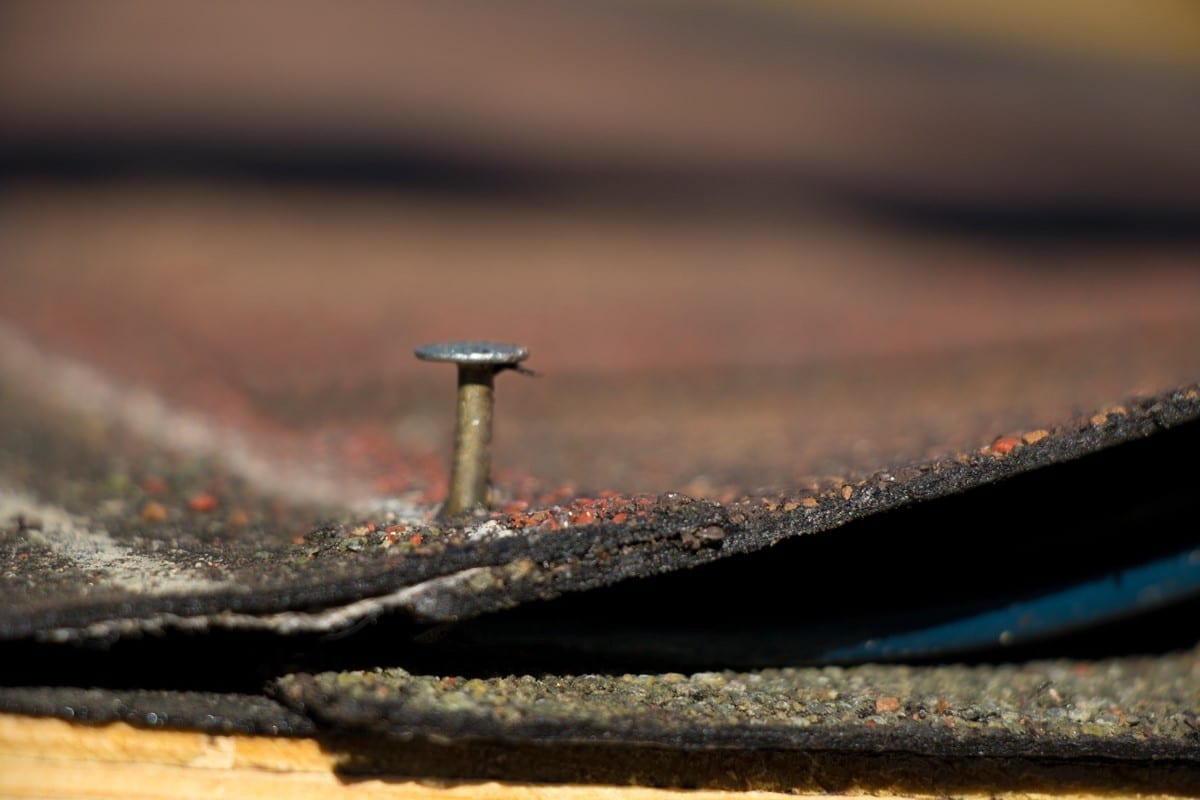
x=748 y=243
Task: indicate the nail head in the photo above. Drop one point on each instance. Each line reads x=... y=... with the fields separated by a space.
x=494 y=353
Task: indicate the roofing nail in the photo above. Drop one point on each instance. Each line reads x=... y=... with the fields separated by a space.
x=478 y=363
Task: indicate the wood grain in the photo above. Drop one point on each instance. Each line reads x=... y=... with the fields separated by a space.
x=50 y=758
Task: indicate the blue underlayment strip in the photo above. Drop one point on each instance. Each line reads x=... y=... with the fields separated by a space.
x=1118 y=594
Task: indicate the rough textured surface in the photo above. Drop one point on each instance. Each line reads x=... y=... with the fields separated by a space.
x=1133 y=708
x=217 y=439
x=225 y=577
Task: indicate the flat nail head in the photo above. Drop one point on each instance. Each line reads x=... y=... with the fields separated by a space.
x=474 y=353
x=478 y=363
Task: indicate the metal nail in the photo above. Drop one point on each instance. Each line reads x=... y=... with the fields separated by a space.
x=478 y=363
